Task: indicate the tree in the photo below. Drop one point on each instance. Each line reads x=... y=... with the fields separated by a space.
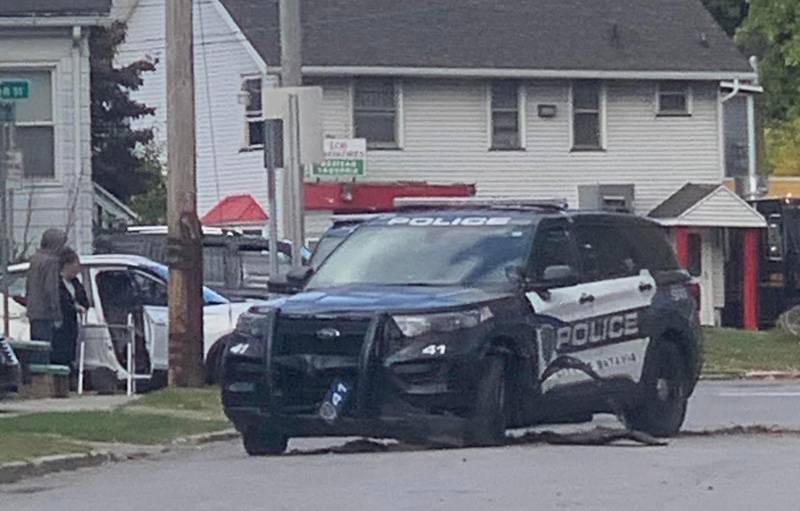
x=729 y=13
x=151 y=206
x=117 y=165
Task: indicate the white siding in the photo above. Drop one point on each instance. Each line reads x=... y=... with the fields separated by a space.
x=41 y=205
x=446 y=140
x=221 y=60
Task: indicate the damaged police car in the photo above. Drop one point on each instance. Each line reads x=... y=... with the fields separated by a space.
x=449 y=325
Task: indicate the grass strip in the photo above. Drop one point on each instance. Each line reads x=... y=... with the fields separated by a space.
x=206 y=400
x=736 y=351
x=116 y=426
x=23 y=446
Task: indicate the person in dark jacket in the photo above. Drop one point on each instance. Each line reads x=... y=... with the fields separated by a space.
x=41 y=293
x=74 y=302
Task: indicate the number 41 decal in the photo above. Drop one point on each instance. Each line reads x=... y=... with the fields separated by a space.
x=434 y=349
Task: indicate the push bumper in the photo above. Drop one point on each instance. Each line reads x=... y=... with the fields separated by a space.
x=428 y=428
x=398 y=393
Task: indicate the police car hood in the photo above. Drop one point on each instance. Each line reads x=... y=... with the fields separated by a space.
x=363 y=298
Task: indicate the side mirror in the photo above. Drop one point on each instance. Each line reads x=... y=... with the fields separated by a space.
x=290 y=283
x=299 y=276
x=559 y=275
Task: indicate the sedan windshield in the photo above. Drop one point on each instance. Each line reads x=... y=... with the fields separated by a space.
x=431 y=255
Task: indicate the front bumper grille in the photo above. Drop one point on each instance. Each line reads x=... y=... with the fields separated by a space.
x=310 y=354
x=320 y=336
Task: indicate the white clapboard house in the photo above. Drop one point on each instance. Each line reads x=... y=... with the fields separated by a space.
x=602 y=102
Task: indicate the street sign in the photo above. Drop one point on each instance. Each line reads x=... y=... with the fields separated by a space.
x=14 y=89
x=343 y=157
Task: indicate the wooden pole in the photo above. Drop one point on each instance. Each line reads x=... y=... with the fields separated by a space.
x=292 y=76
x=184 y=244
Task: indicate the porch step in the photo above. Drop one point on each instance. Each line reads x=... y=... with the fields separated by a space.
x=46 y=380
x=31 y=352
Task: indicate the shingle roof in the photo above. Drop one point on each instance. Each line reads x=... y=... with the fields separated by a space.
x=679 y=202
x=595 y=35
x=26 y=8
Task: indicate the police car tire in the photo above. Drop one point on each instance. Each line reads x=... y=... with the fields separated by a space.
x=264 y=441
x=487 y=424
x=662 y=410
x=214 y=363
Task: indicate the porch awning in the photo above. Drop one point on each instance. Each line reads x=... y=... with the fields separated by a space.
x=236 y=210
x=706 y=205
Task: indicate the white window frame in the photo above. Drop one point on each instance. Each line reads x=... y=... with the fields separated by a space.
x=52 y=67
x=603 y=119
x=689 y=103
x=522 y=103
x=248 y=118
x=399 y=123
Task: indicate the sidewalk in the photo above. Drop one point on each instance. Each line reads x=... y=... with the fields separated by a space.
x=74 y=403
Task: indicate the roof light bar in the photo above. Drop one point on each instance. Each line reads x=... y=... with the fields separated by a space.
x=478 y=202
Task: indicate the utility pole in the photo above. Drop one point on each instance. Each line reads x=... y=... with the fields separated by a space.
x=291 y=76
x=184 y=239
x=6 y=123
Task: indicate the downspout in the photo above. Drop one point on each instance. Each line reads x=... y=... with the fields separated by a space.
x=75 y=209
x=752 y=149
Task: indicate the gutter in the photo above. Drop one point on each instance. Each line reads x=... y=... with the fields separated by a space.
x=441 y=72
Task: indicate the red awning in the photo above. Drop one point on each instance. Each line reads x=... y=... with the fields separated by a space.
x=236 y=210
x=368 y=197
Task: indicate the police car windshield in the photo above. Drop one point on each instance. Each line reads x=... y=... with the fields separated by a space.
x=428 y=251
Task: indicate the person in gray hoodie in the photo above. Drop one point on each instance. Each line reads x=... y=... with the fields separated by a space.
x=42 y=287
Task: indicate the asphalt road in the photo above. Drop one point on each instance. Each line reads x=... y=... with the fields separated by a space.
x=724 y=472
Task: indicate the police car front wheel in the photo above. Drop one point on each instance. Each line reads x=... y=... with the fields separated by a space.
x=264 y=441
x=487 y=424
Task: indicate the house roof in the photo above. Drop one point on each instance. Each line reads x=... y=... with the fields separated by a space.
x=677 y=36
x=679 y=202
x=112 y=205
x=54 y=8
x=236 y=209
x=707 y=205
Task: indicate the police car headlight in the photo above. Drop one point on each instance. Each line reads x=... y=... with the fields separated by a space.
x=417 y=325
x=252 y=325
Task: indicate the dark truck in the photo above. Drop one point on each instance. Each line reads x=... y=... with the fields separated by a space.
x=234 y=265
x=450 y=325
x=779 y=264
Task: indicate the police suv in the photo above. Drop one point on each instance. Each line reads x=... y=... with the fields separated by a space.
x=448 y=322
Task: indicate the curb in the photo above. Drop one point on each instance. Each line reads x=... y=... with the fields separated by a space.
x=751 y=376
x=15 y=471
x=207 y=438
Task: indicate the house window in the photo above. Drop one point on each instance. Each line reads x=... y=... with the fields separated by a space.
x=673 y=98
x=375 y=113
x=254 y=114
x=35 y=129
x=505 y=106
x=587 y=115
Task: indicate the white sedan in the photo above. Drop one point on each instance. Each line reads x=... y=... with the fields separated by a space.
x=123 y=288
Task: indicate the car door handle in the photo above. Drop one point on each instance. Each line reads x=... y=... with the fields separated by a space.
x=645 y=287
x=586 y=298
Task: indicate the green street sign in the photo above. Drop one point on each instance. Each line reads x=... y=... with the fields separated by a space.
x=14 y=89
x=340 y=168
x=7 y=111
